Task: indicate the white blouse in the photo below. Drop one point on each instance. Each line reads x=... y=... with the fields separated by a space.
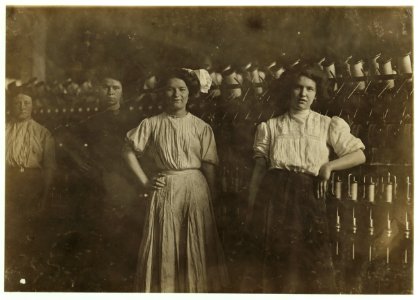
x=302 y=144
x=176 y=143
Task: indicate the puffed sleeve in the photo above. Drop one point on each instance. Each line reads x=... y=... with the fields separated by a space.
x=49 y=161
x=138 y=138
x=262 y=141
x=340 y=138
x=208 y=146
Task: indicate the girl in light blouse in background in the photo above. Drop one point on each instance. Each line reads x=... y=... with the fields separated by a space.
x=289 y=182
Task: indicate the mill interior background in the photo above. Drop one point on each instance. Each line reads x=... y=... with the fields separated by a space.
x=63 y=47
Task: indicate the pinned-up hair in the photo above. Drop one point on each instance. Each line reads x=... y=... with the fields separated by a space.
x=189 y=77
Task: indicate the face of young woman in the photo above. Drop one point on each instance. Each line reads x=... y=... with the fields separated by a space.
x=111 y=93
x=303 y=94
x=176 y=93
x=22 y=107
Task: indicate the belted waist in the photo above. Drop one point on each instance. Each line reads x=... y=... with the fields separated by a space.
x=179 y=172
x=292 y=171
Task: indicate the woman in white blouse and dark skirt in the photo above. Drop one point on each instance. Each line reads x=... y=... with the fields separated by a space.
x=288 y=187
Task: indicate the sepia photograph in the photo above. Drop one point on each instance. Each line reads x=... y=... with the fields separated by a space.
x=209 y=149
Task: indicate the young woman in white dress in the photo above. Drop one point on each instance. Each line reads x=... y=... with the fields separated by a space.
x=180 y=250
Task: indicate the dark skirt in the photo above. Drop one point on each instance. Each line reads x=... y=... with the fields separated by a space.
x=291 y=225
x=24 y=231
x=23 y=193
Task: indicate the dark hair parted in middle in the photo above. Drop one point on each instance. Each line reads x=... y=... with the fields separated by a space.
x=287 y=82
x=190 y=79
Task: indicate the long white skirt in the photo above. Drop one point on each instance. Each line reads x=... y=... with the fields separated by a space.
x=181 y=250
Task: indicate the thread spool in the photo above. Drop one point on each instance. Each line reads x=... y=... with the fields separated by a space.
x=349 y=185
x=353 y=190
x=255 y=78
x=337 y=188
x=371 y=191
x=404 y=64
x=388 y=192
x=385 y=67
x=356 y=70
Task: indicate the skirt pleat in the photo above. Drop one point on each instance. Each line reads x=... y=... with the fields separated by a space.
x=181 y=250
